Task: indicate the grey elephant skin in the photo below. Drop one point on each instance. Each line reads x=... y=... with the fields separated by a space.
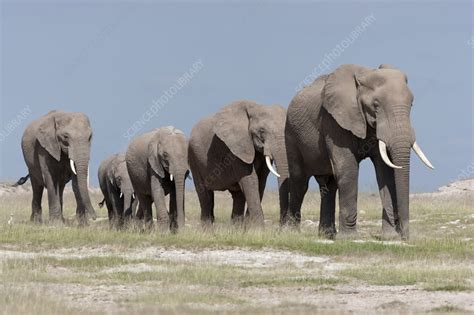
x=229 y=151
x=340 y=119
x=116 y=186
x=56 y=148
x=157 y=165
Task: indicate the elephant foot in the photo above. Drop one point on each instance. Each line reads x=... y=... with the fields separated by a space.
x=328 y=232
x=254 y=222
x=82 y=220
x=36 y=218
x=56 y=220
x=348 y=233
x=207 y=226
x=237 y=221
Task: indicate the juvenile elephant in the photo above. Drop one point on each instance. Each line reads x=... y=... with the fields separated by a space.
x=339 y=120
x=157 y=165
x=233 y=150
x=56 y=148
x=117 y=189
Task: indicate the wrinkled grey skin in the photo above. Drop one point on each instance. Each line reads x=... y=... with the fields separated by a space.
x=48 y=144
x=335 y=123
x=151 y=158
x=227 y=152
x=117 y=189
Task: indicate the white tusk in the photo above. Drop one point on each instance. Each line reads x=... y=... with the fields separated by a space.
x=73 y=167
x=422 y=156
x=133 y=196
x=171 y=177
x=270 y=167
x=121 y=195
x=383 y=153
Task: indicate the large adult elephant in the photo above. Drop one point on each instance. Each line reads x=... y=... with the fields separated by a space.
x=339 y=120
x=157 y=163
x=233 y=150
x=117 y=189
x=56 y=148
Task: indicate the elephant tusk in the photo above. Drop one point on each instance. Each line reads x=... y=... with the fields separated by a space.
x=383 y=153
x=121 y=195
x=73 y=167
x=171 y=177
x=270 y=167
x=133 y=196
x=421 y=155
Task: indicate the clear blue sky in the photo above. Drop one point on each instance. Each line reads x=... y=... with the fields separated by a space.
x=112 y=60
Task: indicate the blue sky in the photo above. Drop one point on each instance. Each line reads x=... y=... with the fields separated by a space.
x=112 y=60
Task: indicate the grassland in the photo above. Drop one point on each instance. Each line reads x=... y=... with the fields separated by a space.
x=68 y=269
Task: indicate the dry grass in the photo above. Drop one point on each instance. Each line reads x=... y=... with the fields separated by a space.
x=51 y=279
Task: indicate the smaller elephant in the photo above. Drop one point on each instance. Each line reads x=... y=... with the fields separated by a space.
x=157 y=163
x=233 y=150
x=56 y=148
x=117 y=189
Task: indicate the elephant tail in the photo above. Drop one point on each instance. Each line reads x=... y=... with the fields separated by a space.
x=21 y=181
x=101 y=204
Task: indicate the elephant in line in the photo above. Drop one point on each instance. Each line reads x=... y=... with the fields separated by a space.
x=157 y=163
x=117 y=189
x=233 y=150
x=56 y=148
x=337 y=121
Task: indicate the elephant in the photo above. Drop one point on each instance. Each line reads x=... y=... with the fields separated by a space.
x=157 y=163
x=117 y=189
x=233 y=150
x=340 y=119
x=56 y=148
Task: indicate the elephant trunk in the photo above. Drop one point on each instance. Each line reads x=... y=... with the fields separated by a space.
x=400 y=153
x=281 y=163
x=80 y=178
x=177 y=222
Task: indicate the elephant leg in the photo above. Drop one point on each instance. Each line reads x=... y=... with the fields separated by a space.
x=386 y=183
x=158 y=195
x=262 y=182
x=328 y=189
x=36 y=212
x=206 y=200
x=80 y=208
x=298 y=189
x=238 y=207
x=249 y=185
x=54 y=201
x=145 y=208
x=116 y=205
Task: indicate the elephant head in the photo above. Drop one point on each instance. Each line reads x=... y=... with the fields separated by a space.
x=119 y=178
x=247 y=127
x=69 y=135
x=360 y=98
x=168 y=157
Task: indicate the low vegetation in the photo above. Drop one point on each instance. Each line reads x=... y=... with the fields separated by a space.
x=68 y=269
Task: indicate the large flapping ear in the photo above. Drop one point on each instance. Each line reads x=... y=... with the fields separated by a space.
x=232 y=127
x=153 y=158
x=340 y=99
x=47 y=136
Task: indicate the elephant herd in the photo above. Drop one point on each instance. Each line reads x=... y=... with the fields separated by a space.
x=330 y=126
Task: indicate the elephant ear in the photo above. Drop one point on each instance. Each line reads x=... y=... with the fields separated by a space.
x=340 y=99
x=232 y=127
x=154 y=159
x=47 y=136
